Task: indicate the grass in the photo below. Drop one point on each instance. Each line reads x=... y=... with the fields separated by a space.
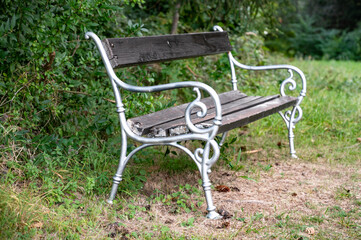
x=61 y=193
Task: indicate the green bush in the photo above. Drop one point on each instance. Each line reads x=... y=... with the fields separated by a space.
x=304 y=33
x=51 y=87
x=344 y=46
x=58 y=126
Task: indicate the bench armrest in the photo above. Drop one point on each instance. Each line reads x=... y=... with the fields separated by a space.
x=116 y=82
x=289 y=80
x=195 y=104
x=288 y=116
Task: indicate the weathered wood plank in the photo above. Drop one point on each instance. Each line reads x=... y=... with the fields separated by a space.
x=235 y=113
x=227 y=108
x=142 y=124
x=249 y=115
x=123 y=52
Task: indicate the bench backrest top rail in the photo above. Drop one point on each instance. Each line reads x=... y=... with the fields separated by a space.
x=124 y=52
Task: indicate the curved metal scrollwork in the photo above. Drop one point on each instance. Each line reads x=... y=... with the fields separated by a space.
x=295 y=115
x=290 y=81
x=287 y=115
x=198 y=154
x=202 y=113
x=290 y=117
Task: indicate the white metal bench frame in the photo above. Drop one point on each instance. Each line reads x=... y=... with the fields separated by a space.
x=201 y=156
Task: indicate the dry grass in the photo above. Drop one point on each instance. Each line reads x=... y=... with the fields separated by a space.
x=301 y=193
x=272 y=197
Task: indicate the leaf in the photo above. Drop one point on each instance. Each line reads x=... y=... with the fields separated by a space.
x=7 y=25
x=224 y=225
x=248 y=178
x=37 y=225
x=13 y=22
x=224 y=213
x=110 y=7
x=223 y=188
x=166 y=152
x=239 y=155
x=310 y=230
x=233 y=140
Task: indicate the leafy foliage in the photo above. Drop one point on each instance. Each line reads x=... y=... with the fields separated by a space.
x=55 y=99
x=51 y=86
x=319 y=29
x=234 y=15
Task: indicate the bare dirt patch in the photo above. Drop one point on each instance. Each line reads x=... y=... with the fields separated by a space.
x=292 y=197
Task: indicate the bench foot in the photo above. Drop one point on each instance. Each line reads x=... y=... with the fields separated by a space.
x=116 y=180
x=214 y=215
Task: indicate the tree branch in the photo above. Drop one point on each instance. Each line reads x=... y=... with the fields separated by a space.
x=175 y=17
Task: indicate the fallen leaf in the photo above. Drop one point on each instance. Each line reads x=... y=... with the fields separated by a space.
x=168 y=221
x=252 y=151
x=112 y=235
x=37 y=225
x=225 y=225
x=224 y=213
x=223 y=188
x=310 y=230
x=115 y=226
x=241 y=133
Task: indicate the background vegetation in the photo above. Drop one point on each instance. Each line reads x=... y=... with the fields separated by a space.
x=59 y=138
x=319 y=29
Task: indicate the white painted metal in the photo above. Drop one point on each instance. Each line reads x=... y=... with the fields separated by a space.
x=201 y=155
x=290 y=115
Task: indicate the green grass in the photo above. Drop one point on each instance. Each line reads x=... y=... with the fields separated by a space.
x=331 y=111
x=60 y=193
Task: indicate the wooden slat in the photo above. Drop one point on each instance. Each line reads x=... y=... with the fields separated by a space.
x=144 y=123
x=123 y=52
x=249 y=115
x=227 y=108
x=235 y=113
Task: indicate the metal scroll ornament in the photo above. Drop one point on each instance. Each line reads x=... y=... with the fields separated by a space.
x=297 y=111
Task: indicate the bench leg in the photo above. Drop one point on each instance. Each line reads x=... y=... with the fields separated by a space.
x=291 y=137
x=116 y=180
x=212 y=214
x=224 y=136
x=122 y=162
x=291 y=120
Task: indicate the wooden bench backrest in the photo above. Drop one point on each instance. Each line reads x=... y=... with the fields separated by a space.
x=123 y=52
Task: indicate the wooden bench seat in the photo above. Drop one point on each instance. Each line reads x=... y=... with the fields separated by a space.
x=238 y=109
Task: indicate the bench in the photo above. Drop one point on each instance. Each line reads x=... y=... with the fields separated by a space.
x=203 y=118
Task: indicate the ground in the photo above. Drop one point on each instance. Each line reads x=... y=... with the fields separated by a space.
x=292 y=199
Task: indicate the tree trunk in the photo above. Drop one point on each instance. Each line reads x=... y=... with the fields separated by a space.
x=175 y=17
